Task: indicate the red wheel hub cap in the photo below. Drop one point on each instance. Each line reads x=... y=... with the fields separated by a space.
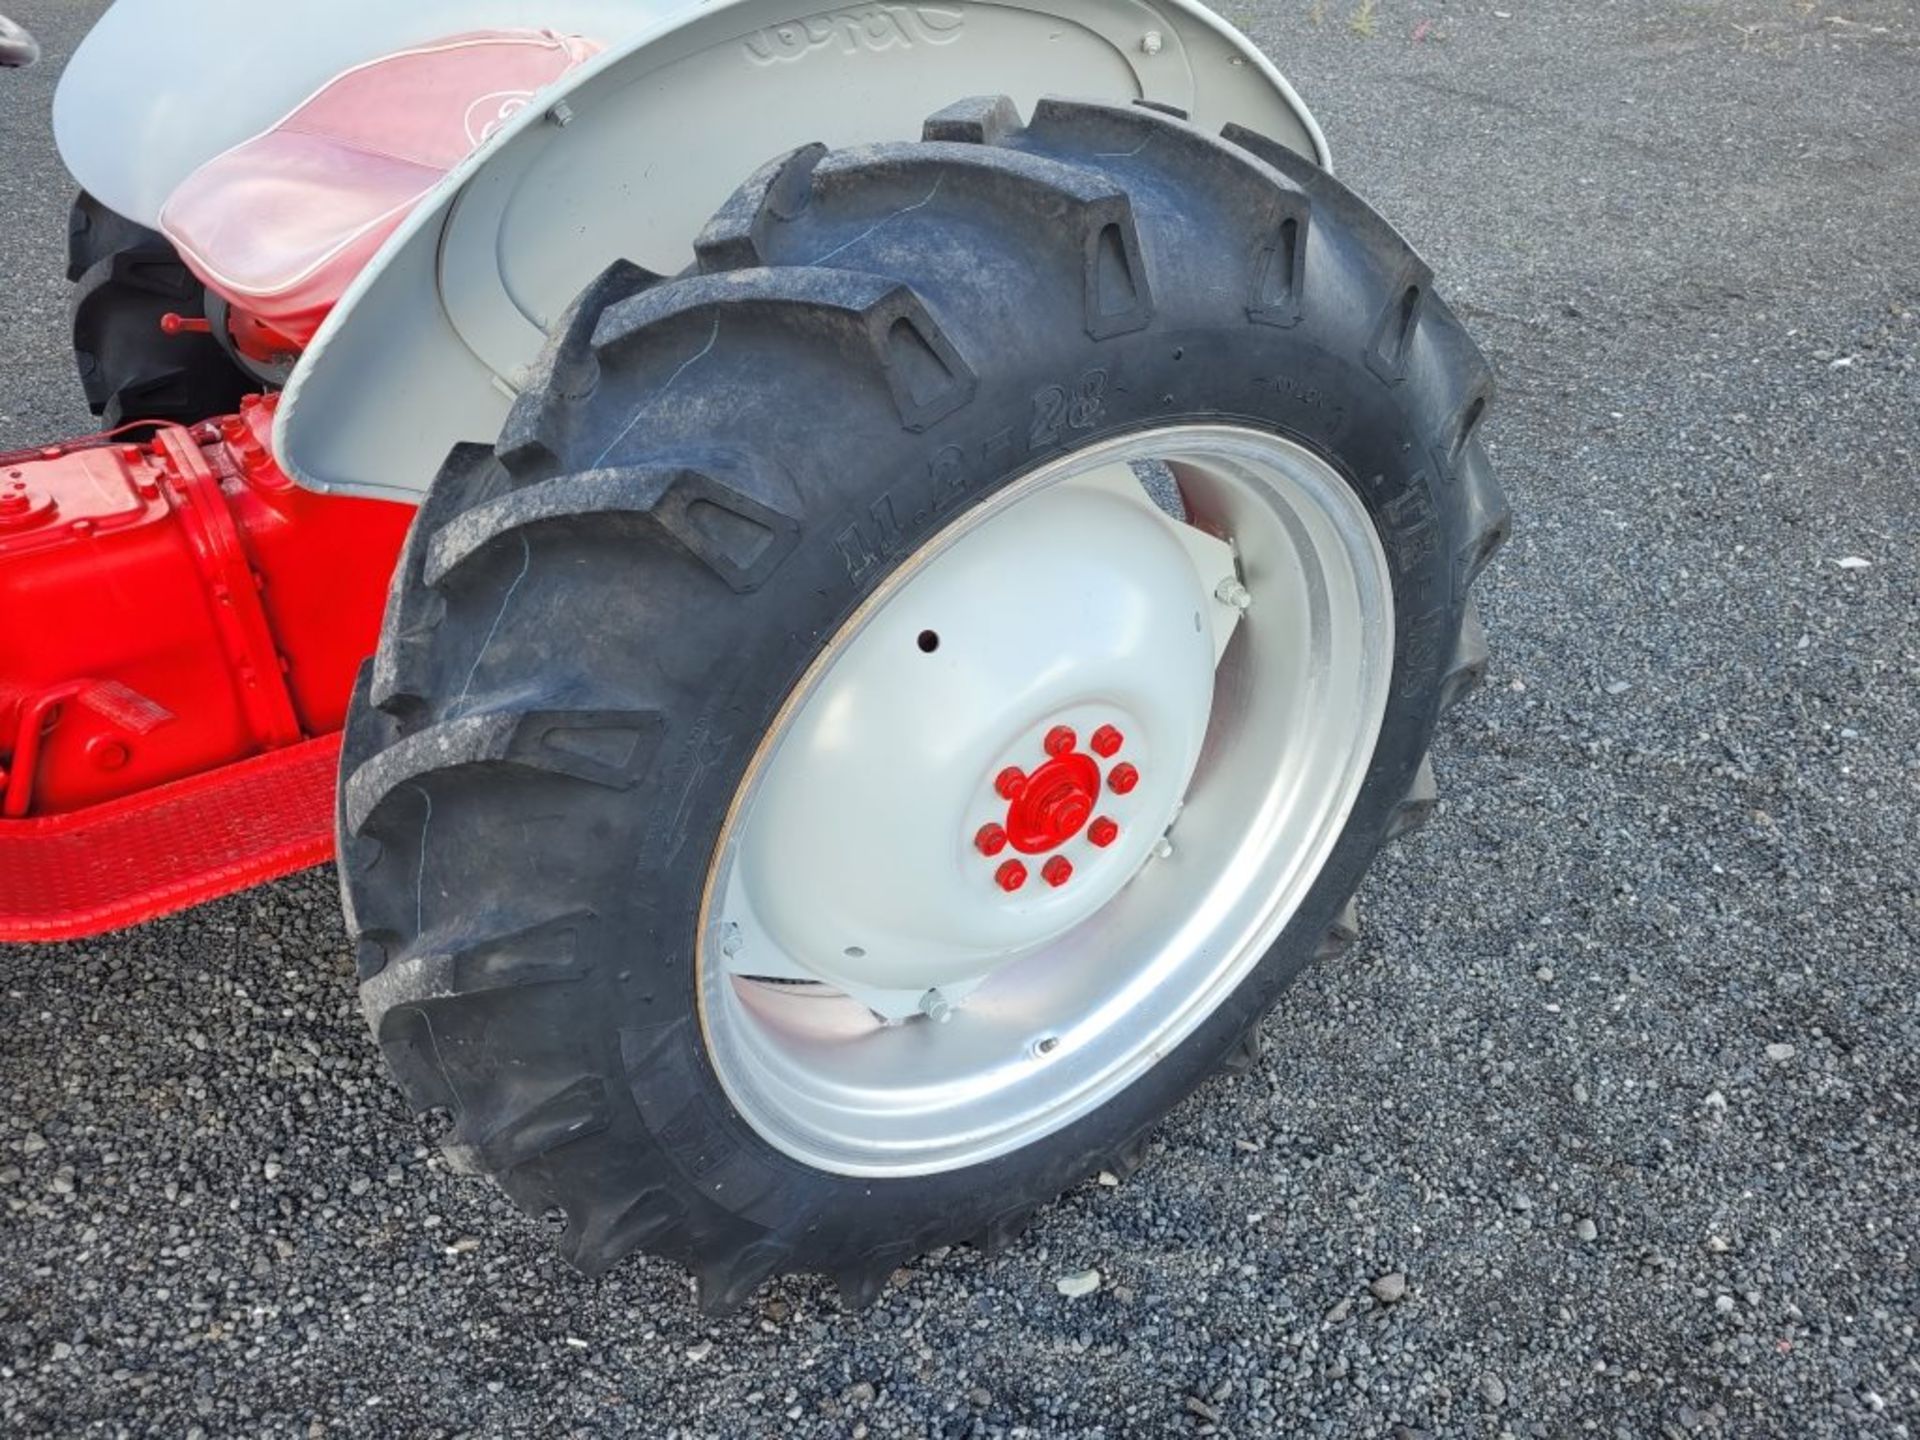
x=1054 y=803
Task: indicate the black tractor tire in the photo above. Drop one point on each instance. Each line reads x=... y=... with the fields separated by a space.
x=595 y=622
x=126 y=277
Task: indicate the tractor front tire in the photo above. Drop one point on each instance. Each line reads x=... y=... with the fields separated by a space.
x=126 y=278
x=709 y=488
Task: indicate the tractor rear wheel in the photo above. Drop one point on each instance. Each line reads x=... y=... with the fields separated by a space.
x=126 y=277
x=902 y=698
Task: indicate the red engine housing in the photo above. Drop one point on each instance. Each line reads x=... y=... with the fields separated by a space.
x=180 y=626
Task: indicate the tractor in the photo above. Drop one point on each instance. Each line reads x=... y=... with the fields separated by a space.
x=852 y=592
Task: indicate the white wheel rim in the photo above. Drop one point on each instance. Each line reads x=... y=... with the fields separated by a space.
x=873 y=1000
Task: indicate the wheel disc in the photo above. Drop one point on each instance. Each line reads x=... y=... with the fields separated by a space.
x=1044 y=801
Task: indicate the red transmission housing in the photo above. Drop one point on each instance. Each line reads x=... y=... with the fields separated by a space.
x=180 y=625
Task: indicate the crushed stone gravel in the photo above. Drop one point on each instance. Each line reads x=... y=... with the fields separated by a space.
x=1622 y=1081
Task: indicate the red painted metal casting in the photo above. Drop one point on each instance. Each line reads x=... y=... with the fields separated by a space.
x=182 y=628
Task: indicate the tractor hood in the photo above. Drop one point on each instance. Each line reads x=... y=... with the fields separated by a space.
x=627 y=158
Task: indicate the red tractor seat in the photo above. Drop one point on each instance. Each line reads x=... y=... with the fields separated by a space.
x=280 y=224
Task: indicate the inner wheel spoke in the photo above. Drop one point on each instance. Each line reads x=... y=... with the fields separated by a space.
x=757 y=960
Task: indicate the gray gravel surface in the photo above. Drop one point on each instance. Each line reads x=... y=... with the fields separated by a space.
x=1609 y=1124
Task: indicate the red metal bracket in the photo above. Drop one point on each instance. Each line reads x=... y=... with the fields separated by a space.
x=244 y=631
x=130 y=710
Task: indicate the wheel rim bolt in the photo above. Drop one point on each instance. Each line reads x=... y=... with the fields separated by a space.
x=1061 y=740
x=1231 y=592
x=936 y=1007
x=1122 y=778
x=1103 y=832
x=1010 y=782
x=990 y=839
x=1057 y=871
x=1107 y=741
x=1010 y=876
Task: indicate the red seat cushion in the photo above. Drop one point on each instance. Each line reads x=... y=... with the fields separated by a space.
x=280 y=224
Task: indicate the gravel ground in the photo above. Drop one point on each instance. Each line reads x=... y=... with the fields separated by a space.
x=1609 y=1124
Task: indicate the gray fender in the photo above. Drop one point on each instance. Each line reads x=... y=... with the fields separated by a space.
x=627 y=159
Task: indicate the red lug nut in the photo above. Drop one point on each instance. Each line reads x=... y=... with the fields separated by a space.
x=990 y=839
x=1010 y=876
x=1122 y=778
x=1061 y=740
x=1057 y=871
x=1103 y=832
x=1010 y=782
x=1107 y=741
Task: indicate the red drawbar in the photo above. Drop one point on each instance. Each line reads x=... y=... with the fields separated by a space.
x=160 y=850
